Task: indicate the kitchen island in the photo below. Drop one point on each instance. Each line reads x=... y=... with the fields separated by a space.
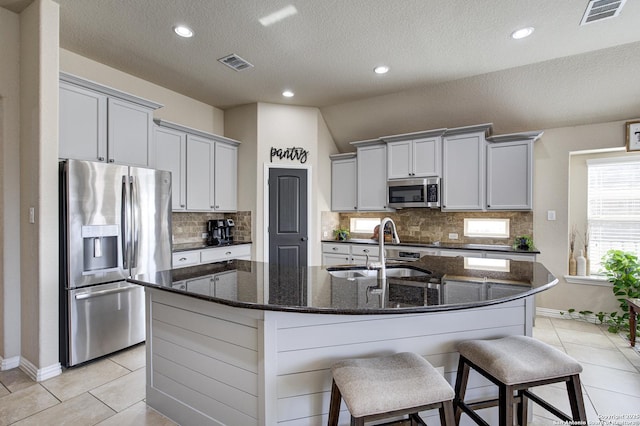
x=248 y=343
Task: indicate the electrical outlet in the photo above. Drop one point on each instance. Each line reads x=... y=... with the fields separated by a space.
x=453 y=236
x=32 y=215
x=205 y=234
x=551 y=215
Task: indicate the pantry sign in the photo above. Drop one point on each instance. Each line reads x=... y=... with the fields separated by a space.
x=294 y=154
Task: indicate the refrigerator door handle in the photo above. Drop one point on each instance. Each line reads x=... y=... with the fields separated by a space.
x=135 y=209
x=124 y=223
x=98 y=293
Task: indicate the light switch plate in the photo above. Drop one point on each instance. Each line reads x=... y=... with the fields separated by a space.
x=551 y=215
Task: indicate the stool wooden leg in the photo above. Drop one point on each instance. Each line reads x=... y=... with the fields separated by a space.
x=334 y=405
x=505 y=398
x=447 y=416
x=357 y=421
x=523 y=406
x=462 y=377
x=575 y=398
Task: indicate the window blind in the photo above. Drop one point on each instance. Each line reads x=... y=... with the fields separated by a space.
x=613 y=208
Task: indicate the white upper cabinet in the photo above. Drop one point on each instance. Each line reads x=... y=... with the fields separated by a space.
x=171 y=155
x=200 y=162
x=209 y=164
x=225 y=177
x=510 y=171
x=83 y=124
x=343 y=182
x=414 y=154
x=463 y=168
x=98 y=123
x=372 y=175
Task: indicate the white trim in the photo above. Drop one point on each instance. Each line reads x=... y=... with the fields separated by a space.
x=588 y=280
x=613 y=160
x=40 y=374
x=265 y=196
x=9 y=363
x=554 y=313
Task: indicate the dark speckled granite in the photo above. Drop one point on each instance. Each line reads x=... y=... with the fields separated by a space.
x=456 y=246
x=448 y=286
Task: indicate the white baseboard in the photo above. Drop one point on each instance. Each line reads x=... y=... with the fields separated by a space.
x=554 y=313
x=40 y=374
x=9 y=363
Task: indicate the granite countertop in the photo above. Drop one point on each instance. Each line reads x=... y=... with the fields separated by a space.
x=447 y=283
x=198 y=246
x=457 y=246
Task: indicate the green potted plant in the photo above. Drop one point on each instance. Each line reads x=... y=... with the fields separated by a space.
x=523 y=242
x=623 y=271
x=341 y=233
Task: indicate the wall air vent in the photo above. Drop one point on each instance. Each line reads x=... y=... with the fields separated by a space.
x=235 y=62
x=598 y=10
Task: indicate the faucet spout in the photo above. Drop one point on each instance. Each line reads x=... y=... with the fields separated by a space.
x=394 y=238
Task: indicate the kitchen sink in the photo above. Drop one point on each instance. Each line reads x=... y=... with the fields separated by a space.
x=373 y=273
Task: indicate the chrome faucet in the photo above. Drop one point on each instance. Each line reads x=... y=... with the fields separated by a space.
x=381 y=266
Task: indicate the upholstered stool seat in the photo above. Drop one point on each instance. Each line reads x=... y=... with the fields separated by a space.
x=400 y=384
x=515 y=364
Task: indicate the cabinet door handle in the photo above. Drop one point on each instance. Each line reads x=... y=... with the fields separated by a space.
x=182 y=205
x=100 y=158
x=217 y=207
x=112 y=160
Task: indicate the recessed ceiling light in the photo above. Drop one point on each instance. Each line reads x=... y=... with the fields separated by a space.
x=288 y=94
x=382 y=69
x=522 y=33
x=183 y=31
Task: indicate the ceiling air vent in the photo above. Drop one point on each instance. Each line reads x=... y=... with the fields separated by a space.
x=598 y=10
x=235 y=62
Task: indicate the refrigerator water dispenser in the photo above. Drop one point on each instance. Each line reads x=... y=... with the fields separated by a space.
x=100 y=248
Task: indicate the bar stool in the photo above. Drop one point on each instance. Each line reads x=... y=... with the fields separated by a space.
x=395 y=385
x=515 y=364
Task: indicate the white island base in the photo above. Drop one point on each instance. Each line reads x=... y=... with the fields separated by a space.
x=213 y=364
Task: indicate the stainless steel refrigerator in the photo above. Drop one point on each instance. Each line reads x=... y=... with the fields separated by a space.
x=115 y=222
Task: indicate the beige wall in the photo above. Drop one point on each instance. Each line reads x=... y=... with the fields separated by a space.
x=39 y=187
x=177 y=108
x=9 y=189
x=551 y=192
x=280 y=126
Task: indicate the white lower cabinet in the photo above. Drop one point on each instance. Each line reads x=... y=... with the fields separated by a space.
x=222 y=284
x=348 y=254
x=186 y=258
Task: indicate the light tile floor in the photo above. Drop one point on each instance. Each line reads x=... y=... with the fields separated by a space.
x=111 y=391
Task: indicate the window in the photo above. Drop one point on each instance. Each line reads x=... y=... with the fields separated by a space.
x=489 y=228
x=363 y=225
x=613 y=213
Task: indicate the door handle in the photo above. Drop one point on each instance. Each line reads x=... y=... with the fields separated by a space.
x=303 y=239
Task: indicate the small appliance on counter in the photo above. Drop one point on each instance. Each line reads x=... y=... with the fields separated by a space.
x=220 y=232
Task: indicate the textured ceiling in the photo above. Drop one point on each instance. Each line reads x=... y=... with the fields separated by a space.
x=452 y=63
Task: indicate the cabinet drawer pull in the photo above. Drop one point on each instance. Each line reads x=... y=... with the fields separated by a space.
x=228 y=253
x=334 y=248
x=182 y=259
x=366 y=250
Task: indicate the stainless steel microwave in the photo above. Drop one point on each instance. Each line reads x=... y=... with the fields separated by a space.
x=403 y=193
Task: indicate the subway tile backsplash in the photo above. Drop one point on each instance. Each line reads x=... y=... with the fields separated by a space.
x=188 y=227
x=429 y=225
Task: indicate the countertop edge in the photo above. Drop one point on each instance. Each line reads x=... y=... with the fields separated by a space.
x=446 y=246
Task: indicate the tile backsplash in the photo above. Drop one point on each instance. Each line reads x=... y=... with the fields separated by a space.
x=188 y=227
x=430 y=225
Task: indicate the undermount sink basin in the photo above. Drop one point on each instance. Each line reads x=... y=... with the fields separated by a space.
x=352 y=274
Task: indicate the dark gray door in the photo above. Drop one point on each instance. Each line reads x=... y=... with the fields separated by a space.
x=288 y=217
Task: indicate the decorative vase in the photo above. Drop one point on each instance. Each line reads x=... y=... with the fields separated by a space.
x=581 y=264
x=572 y=264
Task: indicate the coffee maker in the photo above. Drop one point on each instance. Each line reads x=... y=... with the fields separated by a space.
x=219 y=232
